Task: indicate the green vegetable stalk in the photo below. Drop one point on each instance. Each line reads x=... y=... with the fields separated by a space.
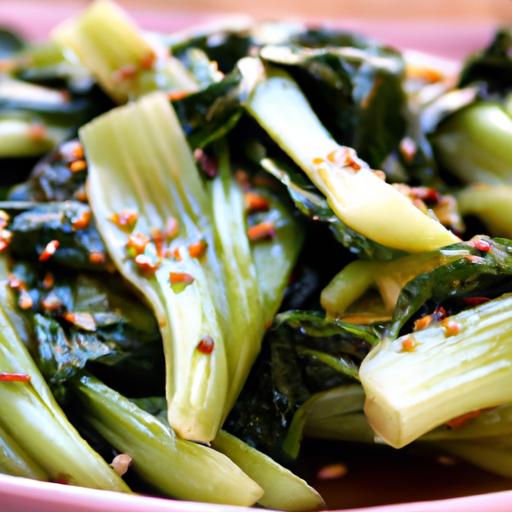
x=492 y=204
x=176 y=467
x=15 y=461
x=116 y=52
x=421 y=380
x=42 y=437
x=355 y=193
x=474 y=144
x=283 y=489
x=202 y=277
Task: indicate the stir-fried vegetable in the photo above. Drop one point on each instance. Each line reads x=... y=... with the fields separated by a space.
x=259 y=233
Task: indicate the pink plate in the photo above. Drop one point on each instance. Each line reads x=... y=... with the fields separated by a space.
x=371 y=480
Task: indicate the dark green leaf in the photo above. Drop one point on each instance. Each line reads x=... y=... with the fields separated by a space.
x=303 y=354
x=357 y=94
x=474 y=272
x=10 y=42
x=51 y=180
x=492 y=66
x=212 y=112
x=61 y=355
x=311 y=204
x=34 y=228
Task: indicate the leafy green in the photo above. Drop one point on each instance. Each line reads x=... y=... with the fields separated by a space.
x=174 y=466
x=311 y=204
x=303 y=354
x=109 y=326
x=474 y=272
x=51 y=179
x=424 y=379
x=357 y=94
x=10 y=42
x=212 y=112
x=33 y=419
x=492 y=66
x=41 y=223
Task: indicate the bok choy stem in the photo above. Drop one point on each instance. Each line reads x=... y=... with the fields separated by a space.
x=213 y=322
x=356 y=194
x=118 y=54
x=32 y=418
x=174 y=466
x=440 y=372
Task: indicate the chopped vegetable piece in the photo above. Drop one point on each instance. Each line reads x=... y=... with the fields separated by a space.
x=360 y=199
x=408 y=394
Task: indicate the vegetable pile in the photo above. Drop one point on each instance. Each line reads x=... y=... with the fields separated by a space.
x=216 y=243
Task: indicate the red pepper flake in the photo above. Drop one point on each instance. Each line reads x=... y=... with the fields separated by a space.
x=207 y=163
x=475 y=301
x=72 y=150
x=49 y=250
x=351 y=162
x=261 y=231
x=427 y=194
x=4 y=219
x=171 y=229
x=451 y=327
x=177 y=95
x=158 y=239
x=438 y=314
x=255 y=202
x=78 y=151
x=337 y=157
x=15 y=283
x=146 y=265
x=62 y=479
x=36 y=132
x=14 y=377
x=422 y=323
x=84 y=321
x=5 y=239
x=480 y=244
x=408 y=148
x=25 y=300
x=197 y=249
x=176 y=254
x=380 y=174
x=51 y=302
x=97 y=257
x=180 y=280
x=148 y=61
x=461 y=420
x=48 y=281
x=206 y=345
x=409 y=344
x=121 y=463
x=125 y=220
x=78 y=166
x=344 y=157
x=83 y=221
x=332 y=472
x=127 y=72
x=136 y=244
x=81 y=195
x=243 y=179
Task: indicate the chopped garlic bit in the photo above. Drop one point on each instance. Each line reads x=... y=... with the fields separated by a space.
x=121 y=463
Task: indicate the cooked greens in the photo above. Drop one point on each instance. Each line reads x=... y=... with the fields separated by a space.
x=219 y=243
